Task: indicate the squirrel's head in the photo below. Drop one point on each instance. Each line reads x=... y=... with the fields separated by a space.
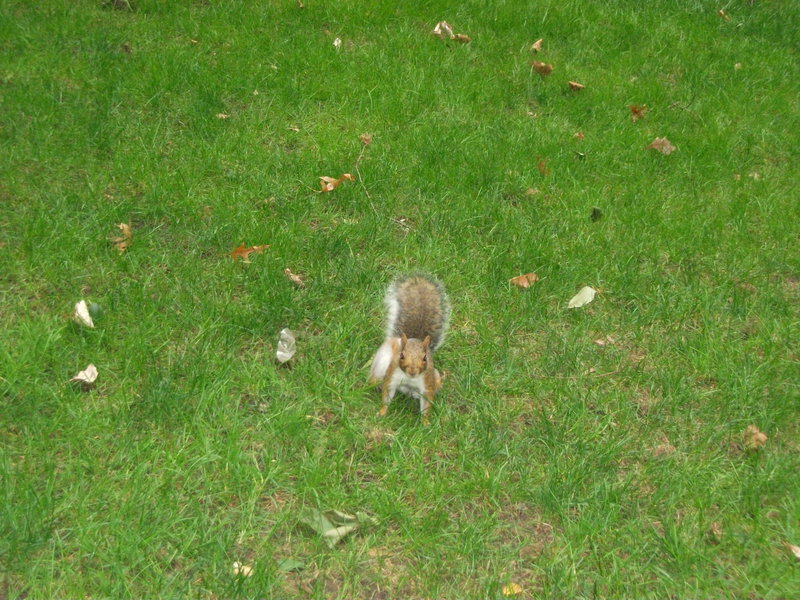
x=414 y=355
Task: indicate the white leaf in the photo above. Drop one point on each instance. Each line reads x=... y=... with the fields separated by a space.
x=583 y=297
x=286 y=346
x=87 y=376
x=81 y=314
x=793 y=549
x=337 y=43
x=243 y=570
x=443 y=29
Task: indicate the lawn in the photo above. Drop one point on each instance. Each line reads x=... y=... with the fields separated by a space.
x=594 y=452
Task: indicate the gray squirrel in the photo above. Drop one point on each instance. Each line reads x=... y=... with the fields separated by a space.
x=418 y=314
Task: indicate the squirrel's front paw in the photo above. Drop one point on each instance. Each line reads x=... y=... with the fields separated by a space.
x=382 y=412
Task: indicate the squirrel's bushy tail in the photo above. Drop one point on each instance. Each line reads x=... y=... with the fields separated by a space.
x=418 y=306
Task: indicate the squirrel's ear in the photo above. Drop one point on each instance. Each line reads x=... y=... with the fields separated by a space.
x=426 y=341
x=403 y=341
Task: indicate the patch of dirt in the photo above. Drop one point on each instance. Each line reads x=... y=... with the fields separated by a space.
x=523 y=525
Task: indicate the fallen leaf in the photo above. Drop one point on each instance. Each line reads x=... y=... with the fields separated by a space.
x=663 y=145
x=334 y=525
x=755 y=175
x=664 y=449
x=295 y=279
x=637 y=112
x=723 y=14
x=575 y=86
x=537 y=46
x=286 y=346
x=541 y=164
x=464 y=39
x=737 y=66
x=328 y=184
x=87 y=377
x=524 y=281
x=596 y=214
x=443 y=29
x=287 y=565
x=242 y=570
x=578 y=135
x=244 y=253
x=222 y=116
x=81 y=314
x=583 y=297
x=609 y=340
x=366 y=138
x=122 y=242
x=532 y=191
x=337 y=43
x=793 y=549
x=512 y=589
x=753 y=438
x=543 y=69
x=714 y=533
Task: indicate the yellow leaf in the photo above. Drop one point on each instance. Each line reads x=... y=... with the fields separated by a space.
x=575 y=86
x=122 y=242
x=537 y=46
x=512 y=589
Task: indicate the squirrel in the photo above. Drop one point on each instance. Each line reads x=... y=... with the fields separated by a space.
x=418 y=316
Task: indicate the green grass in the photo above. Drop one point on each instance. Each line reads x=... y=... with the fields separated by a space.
x=194 y=450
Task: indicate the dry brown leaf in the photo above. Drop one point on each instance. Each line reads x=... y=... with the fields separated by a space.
x=328 y=184
x=222 y=116
x=524 y=281
x=464 y=39
x=637 y=112
x=578 y=135
x=664 y=449
x=244 y=253
x=366 y=138
x=575 y=86
x=723 y=14
x=122 y=242
x=609 y=340
x=793 y=549
x=537 y=46
x=662 y=145
x=512 y=589
x=543 y=69
x=714 y=533
x=753 y=438
x=295 y=279
x=541 y=164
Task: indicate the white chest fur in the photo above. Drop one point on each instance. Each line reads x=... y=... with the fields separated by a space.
x=413 y=386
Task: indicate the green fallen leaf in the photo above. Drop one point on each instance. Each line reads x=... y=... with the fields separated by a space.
x=287 y=565
x=334 y=525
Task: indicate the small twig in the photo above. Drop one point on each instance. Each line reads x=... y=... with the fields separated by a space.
x=361 y=179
